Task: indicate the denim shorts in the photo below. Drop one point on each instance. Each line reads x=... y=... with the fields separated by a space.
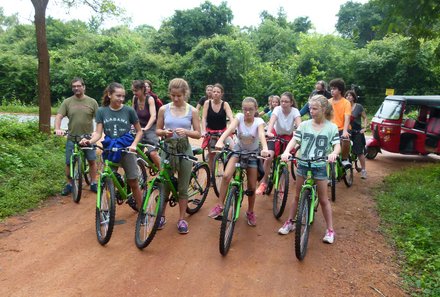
x=318 y=173
x=90 y=154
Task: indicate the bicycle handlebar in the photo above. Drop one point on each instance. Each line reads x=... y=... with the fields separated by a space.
x=179 y=155
x=115 y=149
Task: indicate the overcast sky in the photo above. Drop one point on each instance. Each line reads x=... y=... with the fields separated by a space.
x=322 y=13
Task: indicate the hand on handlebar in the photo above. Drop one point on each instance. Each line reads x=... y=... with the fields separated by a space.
x=84 y=142
x=264 y=153
x=285 y=156
x=59 y=132
x=270 y=134
x=332 y=157
x=219 y=145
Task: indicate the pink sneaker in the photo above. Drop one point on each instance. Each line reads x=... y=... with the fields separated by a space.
x=216 y=211
x=251 y=219
x=329 y=236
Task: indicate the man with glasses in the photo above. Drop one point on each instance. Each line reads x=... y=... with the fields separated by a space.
x=80 y=110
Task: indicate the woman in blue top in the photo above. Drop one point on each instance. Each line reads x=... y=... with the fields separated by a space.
x=115 y=120
x=176 y=122
x=317 y=137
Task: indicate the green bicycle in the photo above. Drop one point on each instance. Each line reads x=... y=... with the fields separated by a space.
x=112 y=189
x=79 y=167
x=278 y=178
x=153 y=202
x=234 y=200
x=307 y=206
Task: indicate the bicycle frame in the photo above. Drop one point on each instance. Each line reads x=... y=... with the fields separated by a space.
x=107 y=171
x=309 y=183
x=148 y=162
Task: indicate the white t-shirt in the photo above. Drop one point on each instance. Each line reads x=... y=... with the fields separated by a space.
x=248 y=135
x=285 y=123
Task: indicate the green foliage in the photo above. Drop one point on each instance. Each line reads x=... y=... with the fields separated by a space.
x=409 y=205
x=31 y=166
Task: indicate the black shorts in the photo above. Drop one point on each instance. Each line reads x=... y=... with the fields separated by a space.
x=358 y=143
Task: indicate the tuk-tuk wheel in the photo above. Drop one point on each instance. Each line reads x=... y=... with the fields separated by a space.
x=371 y=153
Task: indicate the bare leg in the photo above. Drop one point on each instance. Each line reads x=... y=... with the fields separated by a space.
x=133 y=183
x=325 y=203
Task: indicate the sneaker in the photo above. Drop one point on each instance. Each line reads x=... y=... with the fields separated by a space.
x=182 y=227
x=329 y=236
x=216 y=211
x=67 y=190
x=251 y=219
x=94 y=187
x=162 y=223
x=363 y=174
x=132 y=203
x=287 y=227
x=346 y=164
x=261 y=189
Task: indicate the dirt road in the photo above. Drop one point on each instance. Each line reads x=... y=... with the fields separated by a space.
x=52 y=251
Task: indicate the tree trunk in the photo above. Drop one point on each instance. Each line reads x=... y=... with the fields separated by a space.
x=43 y=65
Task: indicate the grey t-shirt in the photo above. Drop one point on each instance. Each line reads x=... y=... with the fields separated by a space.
x=356 y=117
x=116 y=123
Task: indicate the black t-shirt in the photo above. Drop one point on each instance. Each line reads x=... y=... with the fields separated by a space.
x=202 y=100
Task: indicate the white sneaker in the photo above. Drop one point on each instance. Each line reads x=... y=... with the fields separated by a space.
x=329 y=236
x=287 y=227
x=363 y=174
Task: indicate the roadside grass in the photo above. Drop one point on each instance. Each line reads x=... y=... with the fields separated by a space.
x=409 y=206
x=16 y=106
x=31 y=166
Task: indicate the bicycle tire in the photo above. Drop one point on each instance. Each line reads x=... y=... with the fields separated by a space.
x=292 y=170
x=302 y=224
x=105 y=211
x=270 y=179
x=205 y=154
x=228 y=221
x=217 y=173
x=143 y=177
x=86 y=171
x=76 y=178
x=333 y=181
x=348 y=177
x=280 y=193
x=198 y=187
x=148 y=219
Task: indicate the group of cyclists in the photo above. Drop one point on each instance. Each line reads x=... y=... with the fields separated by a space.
x=332 y=118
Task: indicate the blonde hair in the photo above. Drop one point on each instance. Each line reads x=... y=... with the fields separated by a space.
x=181 y=84
x=250 y=100
x=325 y=105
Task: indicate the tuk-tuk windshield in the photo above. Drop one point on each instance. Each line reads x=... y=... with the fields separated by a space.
x=390 y=110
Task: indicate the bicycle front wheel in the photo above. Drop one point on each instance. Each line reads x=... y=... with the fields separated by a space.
x=228 y=220
x=86 y=171
x=302 y=224
x=76 y=178
x=105 y=211
x=198 y=187
x=281 y=192
x=142 y=176
x=292 y=169
x=218 y=171
x=148 y=218
x=348 y=177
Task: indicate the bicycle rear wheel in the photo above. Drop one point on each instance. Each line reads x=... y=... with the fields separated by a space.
x=270 y=179
x=228 y=220
x=332 y=180
x=148 y=218
x=105 y=211
x=302 y=224
x=281 y=192
x=217 y=173
x=76 y=178
x=198 y=187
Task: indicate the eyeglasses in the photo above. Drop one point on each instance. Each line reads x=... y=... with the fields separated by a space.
x=77 y=86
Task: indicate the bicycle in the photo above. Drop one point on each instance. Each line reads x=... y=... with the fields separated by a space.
x=307 y=206
x=219 y=162
x=153 y=202
x=112 y=188
x=279 y=178
x=79 y=167
x=234 y=200
x=337 y=172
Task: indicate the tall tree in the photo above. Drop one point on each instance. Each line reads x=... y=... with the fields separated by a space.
x=100 y=6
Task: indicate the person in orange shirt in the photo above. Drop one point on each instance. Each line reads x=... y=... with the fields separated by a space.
x=341 y=116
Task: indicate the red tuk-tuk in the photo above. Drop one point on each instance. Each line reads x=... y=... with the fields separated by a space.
x=406 y=125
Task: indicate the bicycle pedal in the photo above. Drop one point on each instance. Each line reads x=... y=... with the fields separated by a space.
x=219 y=218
